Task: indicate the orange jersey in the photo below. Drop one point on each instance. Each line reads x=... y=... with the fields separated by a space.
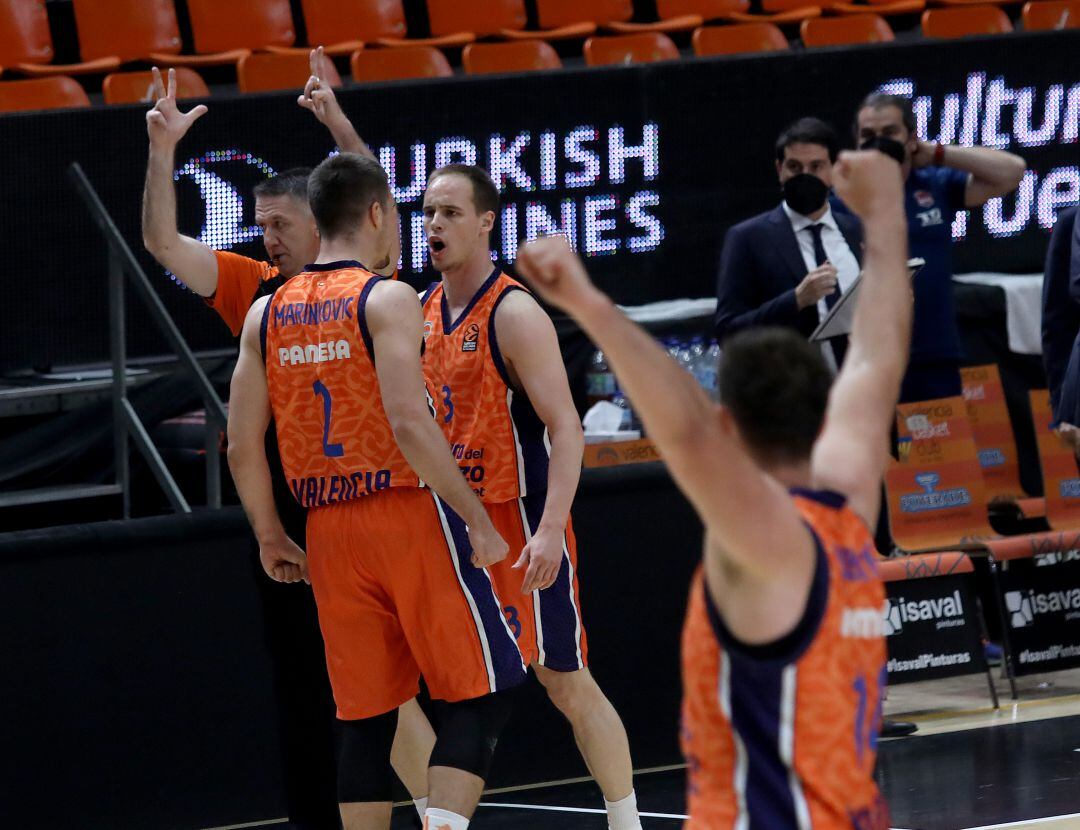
x=336 y=442
x=499 y=441
x=239 y=280
x=785 y=735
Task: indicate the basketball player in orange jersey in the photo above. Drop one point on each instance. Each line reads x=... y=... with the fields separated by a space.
x=783 y=654
x=397 y=571
x=229 y=284
x=494 y=369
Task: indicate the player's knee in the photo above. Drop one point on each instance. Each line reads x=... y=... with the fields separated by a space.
x=468 y=732
x=364 y=773
x=570 y=692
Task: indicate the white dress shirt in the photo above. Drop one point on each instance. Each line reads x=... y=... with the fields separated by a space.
x=836 y=249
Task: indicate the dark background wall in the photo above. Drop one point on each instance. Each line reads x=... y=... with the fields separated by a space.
x=138 y=691
x=652 y=225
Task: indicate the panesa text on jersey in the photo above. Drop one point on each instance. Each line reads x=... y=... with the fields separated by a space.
x=314 y=352
x=310 y=314
x=319 y=491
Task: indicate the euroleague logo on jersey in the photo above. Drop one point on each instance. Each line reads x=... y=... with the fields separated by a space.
x=472 y=337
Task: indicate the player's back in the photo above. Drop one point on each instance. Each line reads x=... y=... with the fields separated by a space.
x=336 y=442
x=785 y=735
x=499 y=441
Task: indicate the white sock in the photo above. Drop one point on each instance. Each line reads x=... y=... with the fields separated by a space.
x=444 y=820
x=623 y=814
x=421 y=805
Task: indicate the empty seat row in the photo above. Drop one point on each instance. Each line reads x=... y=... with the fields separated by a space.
x=114 y=32
x=265 y=71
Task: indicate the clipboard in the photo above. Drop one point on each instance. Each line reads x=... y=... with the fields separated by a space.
x=838 y=322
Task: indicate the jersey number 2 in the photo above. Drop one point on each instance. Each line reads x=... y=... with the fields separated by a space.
x=329 y=450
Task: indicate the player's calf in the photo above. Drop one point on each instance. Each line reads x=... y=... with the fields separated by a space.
x=600 y=736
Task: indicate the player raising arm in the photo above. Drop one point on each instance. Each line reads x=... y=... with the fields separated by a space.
x=785 y=478
x=229 y=281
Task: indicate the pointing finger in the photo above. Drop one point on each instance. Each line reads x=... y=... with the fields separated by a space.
x=171 y=94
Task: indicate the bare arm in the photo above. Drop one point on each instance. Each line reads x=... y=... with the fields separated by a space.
x=993 y=172
x=319 y=98
x=249 y=417
x=708 y=463
x=530 y=347
x=851 y=455
x=190 y=260
x=396 y=324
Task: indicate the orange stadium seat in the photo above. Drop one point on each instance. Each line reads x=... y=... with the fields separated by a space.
x=991 y=427
x=133 y=87
x=26 y=43
x=502 y=18
x=1058 y=462
x=743 y=37
x=645 y=47
x=966 y=21
x=138 y=30
x=935 y=490
x=774 y=11
x=240 y=24
x=522 y=56
x=266 y=71
x=42 y=94
x=840 y=31
x=343 y=26
x=397 y=64
x=977 y=2
x=1041 y=15
x=885 y=8
x=616 y=15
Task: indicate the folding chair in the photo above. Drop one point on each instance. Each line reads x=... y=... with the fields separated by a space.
x=240 y=24
x=370 y=65
x=519 y=56
x=266 y=71
x=343 y=26
x=614 y=15
x=842 y=31
x=964 y=22
x=647 y=47
x=134 y=87
x=26 y=43
x=738 y=39
x=55 y=92
x=1044 y=15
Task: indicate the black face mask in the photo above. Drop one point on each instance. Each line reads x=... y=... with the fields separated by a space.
x=889 y=146
x=805 y=193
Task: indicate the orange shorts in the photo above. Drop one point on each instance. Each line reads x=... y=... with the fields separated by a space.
x=397 y=597
x=547 y=623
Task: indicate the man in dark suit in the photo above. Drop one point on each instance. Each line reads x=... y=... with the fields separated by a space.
x=788 y=266
x=1061 y=320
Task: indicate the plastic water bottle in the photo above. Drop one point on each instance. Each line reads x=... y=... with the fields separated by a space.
x=697 y=360
x=599 y=381
x=627 y=422
x=712 y=357
x=685 y=358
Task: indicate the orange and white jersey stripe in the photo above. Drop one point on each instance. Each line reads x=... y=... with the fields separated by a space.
x=785 y=734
